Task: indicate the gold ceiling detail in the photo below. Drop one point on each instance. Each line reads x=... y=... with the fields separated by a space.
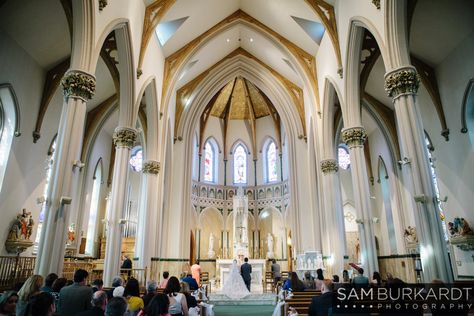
x=153 y=15
x=262 y=105
x=325 y=12
x=175 y=61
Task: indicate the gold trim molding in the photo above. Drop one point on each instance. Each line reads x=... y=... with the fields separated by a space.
x=325 y=12
x=175 y=61
x=402 y=81
x=151 y=167
x=329 y=166
x=78 y=84
x=354 y=136
x=124 y=137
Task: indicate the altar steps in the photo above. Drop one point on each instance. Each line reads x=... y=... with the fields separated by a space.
x=252 y=299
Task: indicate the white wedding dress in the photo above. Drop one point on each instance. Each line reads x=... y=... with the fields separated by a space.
x=234 y=287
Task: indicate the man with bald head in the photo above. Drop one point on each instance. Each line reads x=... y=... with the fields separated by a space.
x=99 y=302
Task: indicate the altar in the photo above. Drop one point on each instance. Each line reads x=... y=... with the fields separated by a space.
x=258 y=266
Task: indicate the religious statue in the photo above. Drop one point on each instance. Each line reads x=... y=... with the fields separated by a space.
x=240 y=224
x=270 y=253
x=410 y=234
x=211 y=253
x=459 y=227
x=18 y=238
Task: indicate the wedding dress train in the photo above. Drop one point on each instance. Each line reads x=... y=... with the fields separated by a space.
x=234 y=287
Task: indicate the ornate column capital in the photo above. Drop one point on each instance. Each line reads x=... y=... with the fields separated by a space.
x=329 y=166
x=124 y=136
x=354 y=136
x=151 y=166
x=401 y=81
x=78 y=84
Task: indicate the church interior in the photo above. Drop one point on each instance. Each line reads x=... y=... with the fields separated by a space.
x=323 y=134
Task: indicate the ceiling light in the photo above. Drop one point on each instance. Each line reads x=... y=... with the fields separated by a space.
x=251 y=40
x=227 y=40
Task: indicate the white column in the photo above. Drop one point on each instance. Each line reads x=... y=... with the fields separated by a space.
x=124 y=138
x=148 y=222
x=334 y=225
x=78 y=87
x=355 y=138
x=402 y=85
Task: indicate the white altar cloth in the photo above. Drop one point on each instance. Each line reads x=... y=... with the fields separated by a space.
x=258 y=270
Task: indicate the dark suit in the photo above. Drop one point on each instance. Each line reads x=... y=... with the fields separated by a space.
x=320 y=304
x=95 y=311
x=73 y=299
x=245 y=271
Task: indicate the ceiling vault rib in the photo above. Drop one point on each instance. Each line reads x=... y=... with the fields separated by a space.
x=227 y=118
x=175 y=61
x=329 y=21
x=253 y=122
x=295 y=92
x=204 y=119
x=153 y=15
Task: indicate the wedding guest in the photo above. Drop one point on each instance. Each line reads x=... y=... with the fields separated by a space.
x=97 y=285
x=8 y=303
x=190 y=300
x=99 y=303
x=345 y=277
x=276 y=272
x=193 y=285
x=41 y=304
x=196 y=272
x=178 y=305
x=77 y=297
x=321 y=304
x=335 y=278
x=319 y=280
x=48 y=282
x=150 y=292
x=360 y=280
x=376 y=279
x=57 y=286
x=132 y=294
x=308 y=281
x=117 y=306
x=116 y=282
x=158 y=306
x=293 y=283
x=164 y=281
x=31 y=287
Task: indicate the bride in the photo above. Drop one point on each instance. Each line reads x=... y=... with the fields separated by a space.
x=234 y=287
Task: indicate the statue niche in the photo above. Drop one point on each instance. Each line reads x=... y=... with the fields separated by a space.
x=18 y=239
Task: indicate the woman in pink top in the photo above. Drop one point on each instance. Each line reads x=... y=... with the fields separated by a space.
x=164 y=282
x=195 y=271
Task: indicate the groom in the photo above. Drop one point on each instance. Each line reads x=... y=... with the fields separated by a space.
x=245 y=271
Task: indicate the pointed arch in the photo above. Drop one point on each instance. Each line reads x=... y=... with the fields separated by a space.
x=210 y=162
x=240 y=164
x=270 y=152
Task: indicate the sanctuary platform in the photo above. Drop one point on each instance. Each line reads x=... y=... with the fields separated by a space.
x=253 y=299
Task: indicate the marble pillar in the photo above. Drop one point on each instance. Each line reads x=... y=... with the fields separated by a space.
x=78 y=87
x=355 y=138
x=334 y=216
x=124 y=138
x=402 y=85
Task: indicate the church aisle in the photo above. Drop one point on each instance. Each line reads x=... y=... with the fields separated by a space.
x=248 y=310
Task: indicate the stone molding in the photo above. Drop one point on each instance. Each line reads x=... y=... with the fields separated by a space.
x=402 y=81
x=329 y=166
x=354 y=136
x=78 y=84
x=102 y=4
x=151 y=166
x=124 y=136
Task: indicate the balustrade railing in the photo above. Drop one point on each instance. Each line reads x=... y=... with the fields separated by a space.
x=220 y=196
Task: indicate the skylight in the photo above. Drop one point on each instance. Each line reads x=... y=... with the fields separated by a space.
x=164 y=31
x=315 y=30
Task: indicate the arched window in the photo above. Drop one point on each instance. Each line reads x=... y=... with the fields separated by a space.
x=343 y=157
x=49 y=170
x=240 y=164
x=9 y=122
x=211 y=152
x=93 y=210
x=136 y=159
x=271 y=166
x=430 y=149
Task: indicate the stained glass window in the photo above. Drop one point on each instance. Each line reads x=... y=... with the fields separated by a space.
x=209 y=163
x=271 y=161
x=136 y=160
x=240 y=164
x=343 y=157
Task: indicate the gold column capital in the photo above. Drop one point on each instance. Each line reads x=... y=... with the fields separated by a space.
x=354 y=136
x=329 y=166
x=78 y=84
x=124 y=136
x=151 y=167
x=401 y=81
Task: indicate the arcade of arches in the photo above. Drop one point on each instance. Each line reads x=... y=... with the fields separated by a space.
x=134 y=127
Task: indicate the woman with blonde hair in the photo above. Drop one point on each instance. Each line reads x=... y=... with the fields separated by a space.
x=31 y=287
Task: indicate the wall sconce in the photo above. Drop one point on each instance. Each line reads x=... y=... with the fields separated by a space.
x=420 y=198
x=123 y=221
x=78 y=164
x=404 y=161
x=65 y=200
